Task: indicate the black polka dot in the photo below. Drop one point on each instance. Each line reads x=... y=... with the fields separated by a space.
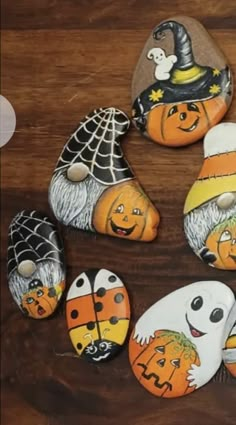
x=118 y=298
x=80 y=282
x=113 y=320
x=74 y=314
x=98 y=306
x=112 y=278
x=79 y=346
x=101 y=292
x=90 y=326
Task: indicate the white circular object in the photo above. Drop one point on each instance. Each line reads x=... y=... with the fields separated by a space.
x=226 y=200
x=26 y=268
x=7 y=121
x=77 y=172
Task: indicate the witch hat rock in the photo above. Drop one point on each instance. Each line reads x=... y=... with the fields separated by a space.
x=210 y=206
x=190 y=97
x=93 y=186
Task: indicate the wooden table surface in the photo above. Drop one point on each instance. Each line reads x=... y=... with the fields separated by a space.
x=61 y=59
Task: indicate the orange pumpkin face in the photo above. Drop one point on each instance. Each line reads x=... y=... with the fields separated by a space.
x=179 y=124
x=126 y=212
x=222 y=242
x=162 y=366
x=41 y=301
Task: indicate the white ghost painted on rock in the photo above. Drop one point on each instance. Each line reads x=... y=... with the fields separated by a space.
x=164 y=63
x=200 y=311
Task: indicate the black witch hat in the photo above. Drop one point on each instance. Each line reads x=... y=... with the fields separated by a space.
x=33 y=237
x=96 y=144
x=188 y=81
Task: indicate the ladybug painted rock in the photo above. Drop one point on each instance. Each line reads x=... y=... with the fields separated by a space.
x=176 y=345
x=98 y=314
x=229 y=351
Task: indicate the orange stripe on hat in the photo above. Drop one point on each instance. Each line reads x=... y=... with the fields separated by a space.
x=218 y=165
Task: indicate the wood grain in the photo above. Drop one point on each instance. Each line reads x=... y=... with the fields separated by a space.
x=61 y=59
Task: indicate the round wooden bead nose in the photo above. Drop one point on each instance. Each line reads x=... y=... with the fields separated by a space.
x=26 y=268
x=77 y=172
x=226 y=200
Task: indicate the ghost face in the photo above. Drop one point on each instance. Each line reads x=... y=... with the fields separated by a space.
x=40 y=301
x=158 y=55
x=205 y=315
x=222 y=242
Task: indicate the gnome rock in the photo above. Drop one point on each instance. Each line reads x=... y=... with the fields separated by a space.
x=93 y=187
x=210 y=207
x=181 y=86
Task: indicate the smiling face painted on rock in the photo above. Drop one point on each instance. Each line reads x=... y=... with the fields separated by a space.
x=204 y=315
x=100 y=350
x=40 y=301
x=222 y=242
x=183 y=123
x=124 y=211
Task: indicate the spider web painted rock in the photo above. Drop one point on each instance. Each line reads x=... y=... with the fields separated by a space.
x=96 y=144
x=34 y=239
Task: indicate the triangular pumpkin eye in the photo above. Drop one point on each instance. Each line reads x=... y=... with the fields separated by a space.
x=160 y=349
x=176 y=363
x=161 y=362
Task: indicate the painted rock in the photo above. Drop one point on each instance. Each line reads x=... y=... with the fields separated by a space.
x=93 y=187
x=36 y=267
x=176 y=346
x=182 y=85
x=210 y=207
x=229 y=351
x=98 y=314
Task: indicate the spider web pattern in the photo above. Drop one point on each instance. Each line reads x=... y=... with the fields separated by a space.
x=33 y=237
x=96 y=144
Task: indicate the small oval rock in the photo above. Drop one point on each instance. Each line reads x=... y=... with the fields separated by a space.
x=98 y=314
x=36 y=266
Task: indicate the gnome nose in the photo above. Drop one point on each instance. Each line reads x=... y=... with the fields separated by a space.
x=182 y=116
x=125 y=218
x=36 y=302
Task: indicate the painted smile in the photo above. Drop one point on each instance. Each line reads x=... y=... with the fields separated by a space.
x=122 y=231
x=192 y=128
x=195 y=332
x=41 y=310
x=97 y=359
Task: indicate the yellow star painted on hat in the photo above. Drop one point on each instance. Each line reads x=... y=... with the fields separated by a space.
x=215 y=89
x=216 y=72
x=155 y=96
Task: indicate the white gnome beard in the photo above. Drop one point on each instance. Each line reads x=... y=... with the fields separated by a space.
x=73 y=203
x=202 y=220
x=48 y=272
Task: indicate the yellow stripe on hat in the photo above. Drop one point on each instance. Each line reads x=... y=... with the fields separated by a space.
x=204 y=190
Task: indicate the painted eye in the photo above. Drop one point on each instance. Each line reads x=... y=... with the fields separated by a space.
x=175 y=363
x=225 y=236
x=40 y=293
x=137 y=211
x=216 y=315
x=197 y=303
x=172 y=111
x=120 y=209
x=29 y=300
x=193 y=107
x=92 y=350
x=104 y=346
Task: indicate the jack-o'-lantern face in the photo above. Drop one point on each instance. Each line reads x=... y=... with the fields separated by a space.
x=178 y=124
x=125 y=211
x=222 y=242
x=40 y=301
x=162 y=366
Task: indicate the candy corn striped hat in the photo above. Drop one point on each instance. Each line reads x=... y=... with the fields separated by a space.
x=218 y=174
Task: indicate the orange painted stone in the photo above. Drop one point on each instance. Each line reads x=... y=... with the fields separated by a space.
x=98 y=314
x=182 y=85
x=176 y=345
x=229 y=351
x=210 y=206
